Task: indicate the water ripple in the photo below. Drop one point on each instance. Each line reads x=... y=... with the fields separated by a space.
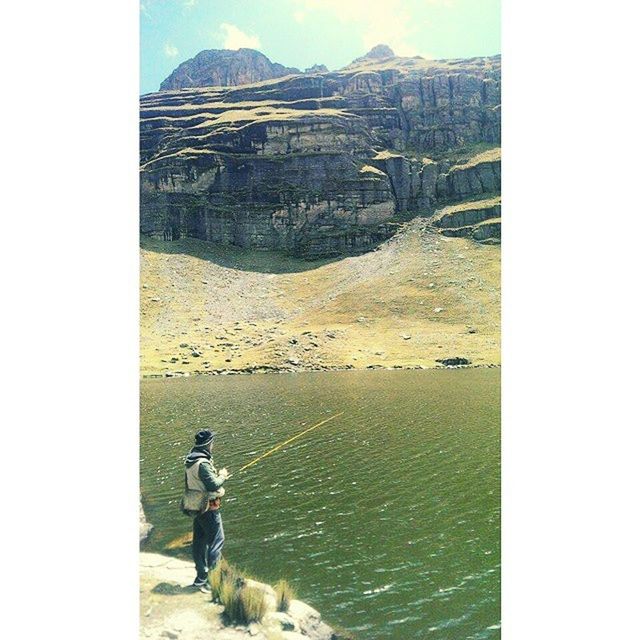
x=396 y=503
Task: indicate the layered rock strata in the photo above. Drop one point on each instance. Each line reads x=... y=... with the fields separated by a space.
x=319 y=164
x=476 y=219
x=479 y=175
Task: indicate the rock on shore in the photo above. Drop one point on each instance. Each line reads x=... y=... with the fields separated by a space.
x=171 y=609
x=145 y=526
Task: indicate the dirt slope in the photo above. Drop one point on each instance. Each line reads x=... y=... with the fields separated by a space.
x=418 y=298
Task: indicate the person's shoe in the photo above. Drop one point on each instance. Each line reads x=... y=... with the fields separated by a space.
x=200 y=584
x=205 y=588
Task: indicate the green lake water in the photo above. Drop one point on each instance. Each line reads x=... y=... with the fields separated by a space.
x=386 y=519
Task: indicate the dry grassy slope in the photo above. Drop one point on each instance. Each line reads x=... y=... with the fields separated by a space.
x=419 y=297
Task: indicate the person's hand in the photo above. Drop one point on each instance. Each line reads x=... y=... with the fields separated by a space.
x=224 y=473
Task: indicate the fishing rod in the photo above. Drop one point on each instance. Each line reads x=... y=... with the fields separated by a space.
x=185 y=539
x=286 y=442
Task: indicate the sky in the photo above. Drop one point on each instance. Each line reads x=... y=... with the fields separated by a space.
x=300 y=33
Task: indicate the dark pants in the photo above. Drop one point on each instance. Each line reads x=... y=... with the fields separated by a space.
x=208 y=539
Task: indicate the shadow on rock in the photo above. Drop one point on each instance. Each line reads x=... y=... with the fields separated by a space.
x=235 y=257
x=172 y=589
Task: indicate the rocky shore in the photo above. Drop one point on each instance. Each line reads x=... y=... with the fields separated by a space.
x=172 y=610
x=450 y=363
x=145 y=526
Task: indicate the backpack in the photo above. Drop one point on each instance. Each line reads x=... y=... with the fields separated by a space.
x=195 y=499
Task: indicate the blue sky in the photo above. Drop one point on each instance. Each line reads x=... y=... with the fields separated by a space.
x=300 y=33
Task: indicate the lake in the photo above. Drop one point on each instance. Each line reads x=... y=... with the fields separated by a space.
x=385 y=519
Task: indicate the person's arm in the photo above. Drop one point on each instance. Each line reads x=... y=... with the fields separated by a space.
x=211 y=480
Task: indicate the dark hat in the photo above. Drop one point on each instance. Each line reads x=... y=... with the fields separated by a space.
x=204 y=437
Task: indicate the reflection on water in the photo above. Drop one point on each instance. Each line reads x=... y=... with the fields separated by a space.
x=385 y=519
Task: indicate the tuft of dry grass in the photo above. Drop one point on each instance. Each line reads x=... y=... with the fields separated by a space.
x=491 y=155
x=230 y=601
x=367 y=168
x=242 y=603
x=480 y=203
x=221 y=574
x=253 y=605
x=284 y=595
x=387 y=155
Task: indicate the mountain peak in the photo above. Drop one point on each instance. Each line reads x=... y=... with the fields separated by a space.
x=380 y=51
x=225 y=67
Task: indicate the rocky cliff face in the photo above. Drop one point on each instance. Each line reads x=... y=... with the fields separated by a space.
x=225 y=68
x=319 y=164
x=480 y=174
x=477 y=219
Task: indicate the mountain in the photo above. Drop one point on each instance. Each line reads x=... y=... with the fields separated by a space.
x=322 y=164
x=379 y=52
x=316 y=68
x=225 y=68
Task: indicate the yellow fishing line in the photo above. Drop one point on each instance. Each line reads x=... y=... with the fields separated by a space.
x=184 y=540
x=282 y=444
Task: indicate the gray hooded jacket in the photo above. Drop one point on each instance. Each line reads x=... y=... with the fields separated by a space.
x=207 y=473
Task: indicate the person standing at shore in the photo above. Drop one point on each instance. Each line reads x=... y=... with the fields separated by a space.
x=203 y=493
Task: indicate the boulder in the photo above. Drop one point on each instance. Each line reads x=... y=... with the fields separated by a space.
x=309 y=621
x=282 y=620
x=453 y=362
x=144 y=526
x=267 y=590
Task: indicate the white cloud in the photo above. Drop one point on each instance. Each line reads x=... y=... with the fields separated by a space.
x=386 y=22
x=188 y=4
x=234 y=38
x=170 y=50
x=299 y=16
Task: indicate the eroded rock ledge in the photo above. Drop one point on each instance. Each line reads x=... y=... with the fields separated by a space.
x=171 y=610
x=319 y=164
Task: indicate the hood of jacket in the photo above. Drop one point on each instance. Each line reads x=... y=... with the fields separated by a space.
x=196 y=454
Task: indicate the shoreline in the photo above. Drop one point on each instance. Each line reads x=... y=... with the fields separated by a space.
x=275 y=369
x=171 y=608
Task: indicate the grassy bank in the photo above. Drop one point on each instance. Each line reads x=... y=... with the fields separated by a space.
x=419 y=298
